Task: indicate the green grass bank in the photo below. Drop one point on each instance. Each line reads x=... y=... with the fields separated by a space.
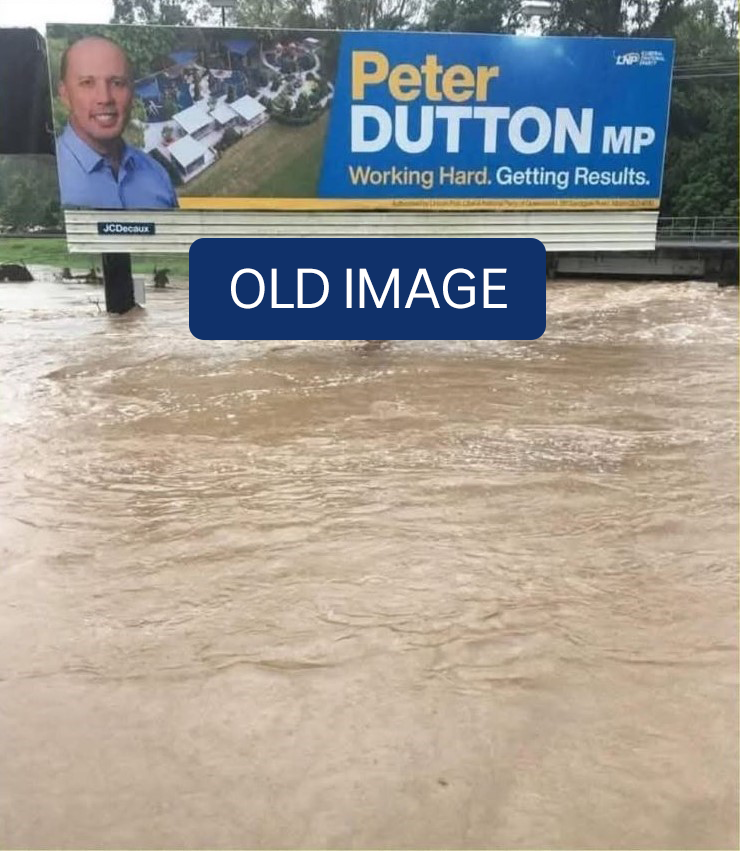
x=53 y=252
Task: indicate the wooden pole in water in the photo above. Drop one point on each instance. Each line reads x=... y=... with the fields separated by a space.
x=119 y=283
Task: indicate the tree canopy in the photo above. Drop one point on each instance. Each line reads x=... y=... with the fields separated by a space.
x=29 y=192
x=169 y=12
x=701 y=171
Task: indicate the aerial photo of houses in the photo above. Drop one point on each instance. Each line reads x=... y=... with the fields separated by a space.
x=228 y=112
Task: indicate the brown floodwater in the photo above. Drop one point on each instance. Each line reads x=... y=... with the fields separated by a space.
x=311 y=595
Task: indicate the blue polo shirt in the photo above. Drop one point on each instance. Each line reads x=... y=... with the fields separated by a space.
x=87 y=180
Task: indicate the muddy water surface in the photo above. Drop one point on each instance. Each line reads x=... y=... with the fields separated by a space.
x=306 y=595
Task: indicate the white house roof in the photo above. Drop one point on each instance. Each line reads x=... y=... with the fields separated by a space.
x=187 y=150
x=193 y=118
x=248 y=107
x=223 y=113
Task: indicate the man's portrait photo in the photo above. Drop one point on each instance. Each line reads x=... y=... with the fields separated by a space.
x=97 y=167
x=161 y=117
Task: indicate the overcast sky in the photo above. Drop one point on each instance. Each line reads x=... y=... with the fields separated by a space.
x=37 y=13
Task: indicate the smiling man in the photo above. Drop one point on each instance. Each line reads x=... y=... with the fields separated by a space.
x=97 y=168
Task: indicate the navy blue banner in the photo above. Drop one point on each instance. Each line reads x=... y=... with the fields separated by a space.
x=401 y=289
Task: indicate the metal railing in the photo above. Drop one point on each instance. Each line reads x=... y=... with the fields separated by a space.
x=696 y=229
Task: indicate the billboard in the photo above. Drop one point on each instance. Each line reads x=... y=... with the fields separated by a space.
x=157 y=118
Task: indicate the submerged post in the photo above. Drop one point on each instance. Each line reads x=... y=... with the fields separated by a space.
x=119 y=283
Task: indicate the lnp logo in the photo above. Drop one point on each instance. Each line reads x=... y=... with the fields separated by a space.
x=640 y=57
x=628 y=58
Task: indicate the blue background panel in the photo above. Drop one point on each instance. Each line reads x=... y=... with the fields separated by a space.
x=625 y=82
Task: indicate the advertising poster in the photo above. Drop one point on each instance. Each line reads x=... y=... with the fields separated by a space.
x=156 y=118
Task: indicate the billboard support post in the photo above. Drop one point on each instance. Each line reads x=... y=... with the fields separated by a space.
x=119 y=283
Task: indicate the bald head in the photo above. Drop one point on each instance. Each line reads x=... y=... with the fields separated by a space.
x=86 y=44
x=96 y=87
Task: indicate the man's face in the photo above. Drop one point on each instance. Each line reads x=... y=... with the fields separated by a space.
x=98 y=92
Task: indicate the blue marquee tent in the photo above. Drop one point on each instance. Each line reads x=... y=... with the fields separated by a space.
x=148 y=89
x=183 y=57
x=240 y=46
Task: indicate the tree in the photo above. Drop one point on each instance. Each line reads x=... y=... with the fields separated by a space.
x=482 y=16
x=332 y=14
x=302 y=106
x=171 y=12
x=701 y=167
x=52 y=217
x=371 y=14
x=701 y=173
x=614 y=17
x=588 y=17
x=653 y=18
x=300 y=14
x=135 y=131
x=306 y=62
x=20 y=209
x=143 y=45
x=29 y=191
x=169 y=107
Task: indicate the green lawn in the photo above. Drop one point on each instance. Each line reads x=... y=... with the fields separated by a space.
x=53 y=252
x=276 y=160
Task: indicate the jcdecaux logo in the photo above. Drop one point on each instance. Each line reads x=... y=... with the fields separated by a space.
x=326 y=289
